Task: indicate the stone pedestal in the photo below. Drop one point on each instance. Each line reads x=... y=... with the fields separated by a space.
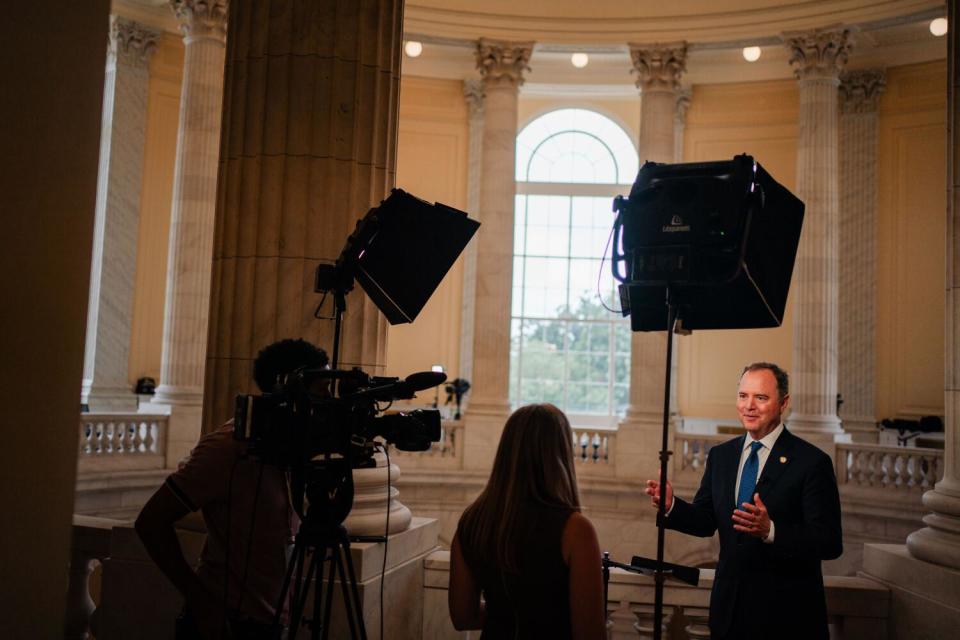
x=369 y=514
x=106 y=386
x=923 y=596
x=659 y=69
x=817 y=58
x=131 y=581
x=203 y=23
x=403 y=586
x=859 y=97
x=501 y=65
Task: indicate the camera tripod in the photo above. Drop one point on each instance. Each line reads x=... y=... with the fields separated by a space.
x=323 y=542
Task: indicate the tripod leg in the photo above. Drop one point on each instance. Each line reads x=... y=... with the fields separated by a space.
x=295 y=559
x=351 y=578
x=302 y=590
x=347 y=606
x=328 y=601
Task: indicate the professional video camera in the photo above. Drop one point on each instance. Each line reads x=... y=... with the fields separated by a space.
x=301 y=419
x=320 y=424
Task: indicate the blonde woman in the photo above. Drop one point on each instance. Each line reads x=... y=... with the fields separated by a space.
x=524 y=545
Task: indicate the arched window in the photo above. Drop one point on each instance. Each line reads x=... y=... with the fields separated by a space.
x=566 y=348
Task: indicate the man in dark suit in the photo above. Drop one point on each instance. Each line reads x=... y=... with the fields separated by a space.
x=773 y=498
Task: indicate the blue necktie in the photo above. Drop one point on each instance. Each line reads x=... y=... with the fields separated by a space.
x=748 y=477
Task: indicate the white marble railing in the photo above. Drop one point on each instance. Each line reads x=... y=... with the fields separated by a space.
x=445 y=454
x=121 y=441
x=887 y=470
x=858 y=608
x=690 y=455
x=593 y=446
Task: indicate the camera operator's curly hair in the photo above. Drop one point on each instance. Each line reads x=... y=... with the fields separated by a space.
x=280 y=358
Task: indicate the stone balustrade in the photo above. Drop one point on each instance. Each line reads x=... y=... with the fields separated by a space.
x=858 y=608
x=593 y=446
x=887 y=471
x=119 y=442
x=690 y=456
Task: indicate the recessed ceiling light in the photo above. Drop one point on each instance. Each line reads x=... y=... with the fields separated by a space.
x=751 y=54
x=938 y=27
x=579 y=60
x=413 y=48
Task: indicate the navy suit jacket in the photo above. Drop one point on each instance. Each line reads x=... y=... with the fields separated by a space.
x=779 y=584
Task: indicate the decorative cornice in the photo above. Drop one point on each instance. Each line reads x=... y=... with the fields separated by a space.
x=500 y=61
x=202 y=18
x=473 y=94
x=130 y=42
x=860 y=90
x=821 y=53
x=659 y=66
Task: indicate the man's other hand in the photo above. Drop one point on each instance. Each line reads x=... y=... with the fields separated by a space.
x=753 y=519
x=653 y=490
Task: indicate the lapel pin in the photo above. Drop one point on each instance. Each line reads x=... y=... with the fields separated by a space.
x=783 y=459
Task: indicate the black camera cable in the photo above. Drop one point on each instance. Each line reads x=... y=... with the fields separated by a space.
x=386 y=535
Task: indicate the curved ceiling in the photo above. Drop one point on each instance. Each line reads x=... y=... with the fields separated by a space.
x=621 y=21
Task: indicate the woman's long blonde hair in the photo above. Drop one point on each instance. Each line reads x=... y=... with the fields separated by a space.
x=534 y=464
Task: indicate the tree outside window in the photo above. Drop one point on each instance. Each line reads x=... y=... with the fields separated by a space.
x=566 y=346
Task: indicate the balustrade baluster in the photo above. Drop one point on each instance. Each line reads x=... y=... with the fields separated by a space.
x=644 y=624
x=144 y=440
x=697 y=623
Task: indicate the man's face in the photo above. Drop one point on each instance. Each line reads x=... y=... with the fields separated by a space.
x=759 y=403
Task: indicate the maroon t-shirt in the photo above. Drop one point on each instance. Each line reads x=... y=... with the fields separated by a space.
x=222 y=482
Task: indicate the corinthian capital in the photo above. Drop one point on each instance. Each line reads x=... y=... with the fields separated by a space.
x=860 y=90
x=659 y=66
x=821 y=53
x=202 y=18
x=130 y=42
x=505 y=62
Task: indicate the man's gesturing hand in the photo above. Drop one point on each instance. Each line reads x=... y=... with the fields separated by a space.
x=752 y=519
x=653 y=490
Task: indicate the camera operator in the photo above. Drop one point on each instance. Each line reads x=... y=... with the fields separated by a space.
x=249 y=520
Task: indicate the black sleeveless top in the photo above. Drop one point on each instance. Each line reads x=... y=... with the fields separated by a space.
x=535 y=601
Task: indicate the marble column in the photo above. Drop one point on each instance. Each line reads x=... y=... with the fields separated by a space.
x=939 y=541
x=106 y=384
x=856 y=335
x=817 y=57
x=501 y=65
x=309 y=146
x=659 y=68
x=473 y=94
x=203 y=24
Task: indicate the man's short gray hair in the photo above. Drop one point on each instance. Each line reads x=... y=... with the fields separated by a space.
x=783 y=380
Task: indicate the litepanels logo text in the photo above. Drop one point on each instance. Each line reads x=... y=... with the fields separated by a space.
x=676 y=225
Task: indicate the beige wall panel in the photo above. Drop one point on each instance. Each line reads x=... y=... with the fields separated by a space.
x=163 y=107
x=911 y=250
x=723 y=121
x=432 y=164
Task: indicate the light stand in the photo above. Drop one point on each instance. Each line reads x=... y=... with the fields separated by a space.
x=660 y=573
x=718 y=237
